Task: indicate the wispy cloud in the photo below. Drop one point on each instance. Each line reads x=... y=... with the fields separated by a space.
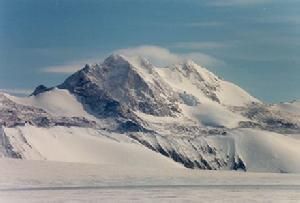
x=188 y=24
x=69 y=67
x=204 y=24
x=161 y=56
x=16 y=91
x=157 y=55
x=201 y=45
x=237 y=2
x=203 y=59
x=275 y=19
x=63 y=69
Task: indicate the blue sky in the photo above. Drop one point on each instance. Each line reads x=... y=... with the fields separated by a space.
x=253 y=43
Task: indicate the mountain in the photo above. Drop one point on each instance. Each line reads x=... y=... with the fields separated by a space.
x=128 y=111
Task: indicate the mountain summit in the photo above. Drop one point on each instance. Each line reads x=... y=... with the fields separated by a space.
x=182 y=111
x=119 y=85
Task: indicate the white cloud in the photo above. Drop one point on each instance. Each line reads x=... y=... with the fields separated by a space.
x=203 y=59
x=190 y=24
x=157 y=55
x=63 y=69
x=200 y=45
x=285 y=19
x=17 y=91
x=204 y=24
x=70 y=67
x=237 y=2
x=161 y=57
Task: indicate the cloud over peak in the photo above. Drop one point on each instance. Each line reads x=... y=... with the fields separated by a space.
x=157 y=55
x=162 y=57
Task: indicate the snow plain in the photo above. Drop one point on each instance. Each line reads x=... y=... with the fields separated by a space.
x=47 y=181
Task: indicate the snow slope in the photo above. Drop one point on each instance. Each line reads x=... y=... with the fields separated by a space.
x=204 y=95
x=232 y=95
x=288 y=107
x=213 y=115
x=266 y=151
x=193 y=79
x=262 y=151
x=259 y=151
x=57 y=102
x=82 y=145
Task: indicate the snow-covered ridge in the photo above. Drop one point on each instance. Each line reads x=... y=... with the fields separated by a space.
x=58 y=102
x=182 y=111
x=191 y=78
x=16 y=111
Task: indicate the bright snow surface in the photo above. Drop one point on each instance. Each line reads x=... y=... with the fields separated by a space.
x=46 y=181
x=58 y=102
x=83 y=145
x=261 y=151
x=289 y=107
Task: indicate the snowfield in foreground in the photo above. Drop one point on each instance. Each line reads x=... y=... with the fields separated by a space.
x=47 y=181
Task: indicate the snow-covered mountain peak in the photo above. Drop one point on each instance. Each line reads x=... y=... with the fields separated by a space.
x=138 y=64
x=116 y=60
x=182 y=111
x=128 y=83
x=115 y=65
x=123 y=83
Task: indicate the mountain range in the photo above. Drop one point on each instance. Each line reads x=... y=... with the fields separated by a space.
x=127 y=111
